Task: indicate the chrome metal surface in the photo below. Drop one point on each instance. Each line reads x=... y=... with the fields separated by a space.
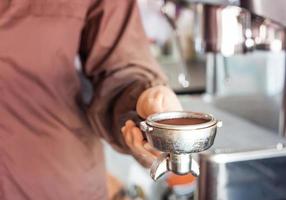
x=282 y=112
x=183 y=164
x=181 y=139
x=272 y=34
x=180 y=163
x=267 y=34
x=182 y=69
x=228 y=28
x=159 y=166
x=267 y=9
x=215 y=2
x=212 y=70
x=222 y=29
x=252 y=174
x=144 y=127
x=178 y=142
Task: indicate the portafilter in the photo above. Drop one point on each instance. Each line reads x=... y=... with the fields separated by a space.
x=178 y=142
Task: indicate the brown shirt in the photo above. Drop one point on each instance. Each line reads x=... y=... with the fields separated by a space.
x=49 y=147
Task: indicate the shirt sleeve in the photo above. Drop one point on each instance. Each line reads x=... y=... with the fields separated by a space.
x=115 y=54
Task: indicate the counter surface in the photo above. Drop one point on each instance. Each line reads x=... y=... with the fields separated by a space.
x=236 y=133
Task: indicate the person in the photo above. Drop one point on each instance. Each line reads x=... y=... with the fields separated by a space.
x=50 y=147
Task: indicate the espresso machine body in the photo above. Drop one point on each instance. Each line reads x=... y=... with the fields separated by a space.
x=237 y=27
x=247 y=175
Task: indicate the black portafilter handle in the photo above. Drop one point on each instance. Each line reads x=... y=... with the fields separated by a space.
x=137 y=122
x=133 y=115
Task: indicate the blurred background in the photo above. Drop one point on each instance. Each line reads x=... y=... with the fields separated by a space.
x=245 y=90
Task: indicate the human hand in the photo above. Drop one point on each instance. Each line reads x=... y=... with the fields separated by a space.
x=139 y=148
x=157 y=99
x=152 y=100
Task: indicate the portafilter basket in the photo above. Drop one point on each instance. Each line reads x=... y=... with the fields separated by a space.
x=178 y=142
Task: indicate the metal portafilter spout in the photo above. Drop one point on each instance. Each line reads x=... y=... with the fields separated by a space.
x=180 y=164
x=179 y=141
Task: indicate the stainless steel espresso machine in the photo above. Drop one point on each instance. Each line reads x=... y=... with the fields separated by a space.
x=241 y=165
